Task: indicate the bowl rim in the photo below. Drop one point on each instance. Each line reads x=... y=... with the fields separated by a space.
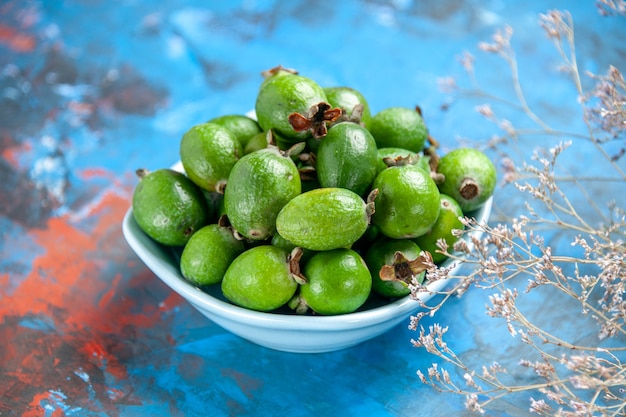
x=141 y=244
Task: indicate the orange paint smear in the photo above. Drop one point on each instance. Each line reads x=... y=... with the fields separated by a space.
x=69 y=267
x=99 y=354
x=246 y=383
x=20 y=42
x=108 y=295
x=95 y=173
x=36 y=410
x=10 y=154
x=67 y=285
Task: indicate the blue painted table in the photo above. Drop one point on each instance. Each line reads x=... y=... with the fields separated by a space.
x=92 y=90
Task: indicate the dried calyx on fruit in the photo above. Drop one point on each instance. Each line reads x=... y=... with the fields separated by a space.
x=315 y=120
x=403 y=269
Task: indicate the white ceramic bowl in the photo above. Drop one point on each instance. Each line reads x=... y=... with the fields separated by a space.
x=278 y=330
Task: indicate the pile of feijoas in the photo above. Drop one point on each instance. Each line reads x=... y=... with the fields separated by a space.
x=314 y=203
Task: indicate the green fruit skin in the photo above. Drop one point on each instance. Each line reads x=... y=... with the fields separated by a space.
x=208 y=254
x=346 y=158
x=259 y=279
x=338 y=282
x=208 y=152
x=407 y=204
x=281 y=242
x=382 y=253
x=392 y=153
x=447 y=221
x=346 y=98
x=467 y=163
x=281 y=95
x=323 y=219
x=259 y=185
x=258 y=141
x=169 y=207
x=242 y=126
x=409 y=130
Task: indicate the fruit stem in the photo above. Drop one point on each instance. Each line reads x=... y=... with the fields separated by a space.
x=220 y=186
x=298 y=304
x=279 y=68
x=142 y=173
x=469 y=188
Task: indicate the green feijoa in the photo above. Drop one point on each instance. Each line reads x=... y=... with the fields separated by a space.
x=346 y=158
x=324 y=219
x=391 y=156
x=281 y=242
x=284 y=144
x=168 y=206
x=277 y=71
x=447 y=221
x=259 y=185
x=353 y=104
x=242 y=126
x=260 y=279
x=258 y=141
x=281 y=96
x=208 y=152
x=394 y=264
x=399 y=127
x=469 y=177
x=338 y=282
x=208 y=254
x=407 y=204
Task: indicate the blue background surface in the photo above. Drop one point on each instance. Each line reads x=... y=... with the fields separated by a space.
x=92 y=90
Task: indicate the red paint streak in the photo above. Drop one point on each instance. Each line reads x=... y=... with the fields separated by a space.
x=36 y=409
x=108 y=295
x=172 y=300
x=70 y=267
x=19 y=42
x=103 y=358
x=94 y=349
x=95 y=315
x=116 y=395
x=95 y=173
x=11 y=153
x=246 y=383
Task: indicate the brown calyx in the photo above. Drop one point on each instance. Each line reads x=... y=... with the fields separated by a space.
x=279 y=68
x=220 y=186
x=294 y=266
x=298 y=304
x=315 y=120
x=142 y=173
x=400 y=160
x=370 y=206
x=355 y=117
x=469 y=188
x=404 y=270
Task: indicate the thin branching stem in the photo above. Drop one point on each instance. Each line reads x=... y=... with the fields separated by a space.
x=578 y=379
